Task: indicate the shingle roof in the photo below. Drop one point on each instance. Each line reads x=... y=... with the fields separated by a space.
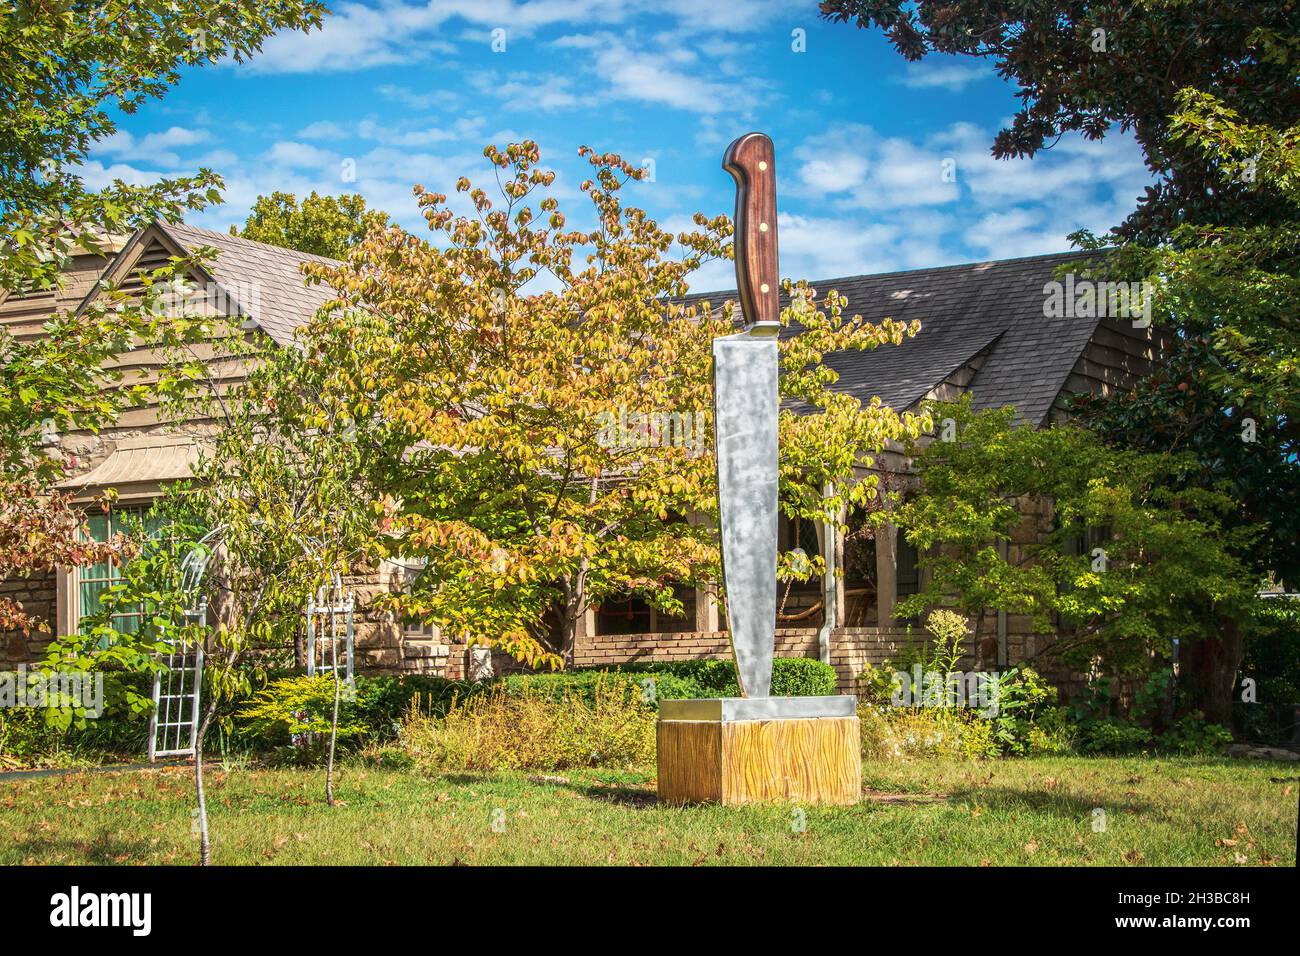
x=963 y=310
x=283 y=301
x=994 y=308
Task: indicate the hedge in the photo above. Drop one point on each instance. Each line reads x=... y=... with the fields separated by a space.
x=791 y=677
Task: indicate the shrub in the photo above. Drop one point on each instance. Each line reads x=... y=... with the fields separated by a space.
x=877 y=685
x=678 y=680
x=532 y=729
x=651 y=685
x=1192 y=735
x=1111 y=735
x=802 y=677
x=295 y=705
x=1051 y=732
x=288 y=708
x=1272 y=659
x=25 y=739
x=891 y=733
x=1022 y=696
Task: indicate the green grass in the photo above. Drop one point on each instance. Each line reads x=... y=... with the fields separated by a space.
x=1175 y=811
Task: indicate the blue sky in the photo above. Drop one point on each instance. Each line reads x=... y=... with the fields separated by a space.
x=407 y=92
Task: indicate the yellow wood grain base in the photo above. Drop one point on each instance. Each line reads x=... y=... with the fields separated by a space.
x=795 y=760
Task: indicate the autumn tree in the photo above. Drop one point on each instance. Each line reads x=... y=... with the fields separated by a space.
x=536 y=399
x=322 y=225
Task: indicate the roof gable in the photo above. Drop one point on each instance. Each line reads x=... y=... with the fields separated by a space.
x=991 y=309
x=280 y=301
x=262 y=283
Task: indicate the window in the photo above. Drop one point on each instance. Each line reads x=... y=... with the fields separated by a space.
x=628 y=615
x=800 y=533
x=93 y=580
x=413 y=629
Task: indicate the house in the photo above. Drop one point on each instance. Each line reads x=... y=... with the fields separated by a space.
x=993 y=329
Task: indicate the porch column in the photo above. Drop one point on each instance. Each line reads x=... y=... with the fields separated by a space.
x=706 y=609
x=832 y=542
x=584 y=631
x=886 y=573
x=706 y=598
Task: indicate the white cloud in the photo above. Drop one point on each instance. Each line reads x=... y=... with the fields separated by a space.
x=951 y=76
x=416 y=100
x=156 y=147
x=300 y=155
x=358 y=37
x=860 y=169
x=467 y=128
x=895 y=191
x=645 y=76
x=355 y=37
x=322 y=129
x=520 y=90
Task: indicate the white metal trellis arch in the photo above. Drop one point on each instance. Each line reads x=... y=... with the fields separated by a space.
x=329 y=624
x=177 y=691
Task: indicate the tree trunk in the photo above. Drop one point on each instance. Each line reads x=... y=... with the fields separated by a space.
x=334 y=736
x=574 y=600
x=205 y=846
x=569 y=632
x=1211 y=665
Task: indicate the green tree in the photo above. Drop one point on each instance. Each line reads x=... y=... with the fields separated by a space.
x=1208 y=89
x=1091 y=67
x=550 y=450
x=68 y=66
x=277 y=503
x=1130 y=563
x=323 y=225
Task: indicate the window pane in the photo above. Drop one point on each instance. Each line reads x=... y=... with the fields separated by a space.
x=93 y=580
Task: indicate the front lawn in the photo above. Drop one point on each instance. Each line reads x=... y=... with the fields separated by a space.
x=1176 y=811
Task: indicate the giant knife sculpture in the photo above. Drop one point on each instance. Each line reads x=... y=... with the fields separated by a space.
x=745 y=419
x=755 y=747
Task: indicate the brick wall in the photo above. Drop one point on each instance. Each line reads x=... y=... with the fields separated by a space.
x=853 y=648
x=612 y=649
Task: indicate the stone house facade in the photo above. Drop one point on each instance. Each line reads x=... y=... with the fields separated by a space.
x=985 y=330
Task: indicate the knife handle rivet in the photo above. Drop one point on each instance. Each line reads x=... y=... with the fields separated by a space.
x=762 y=227
x=762 y=166
x=763 y=288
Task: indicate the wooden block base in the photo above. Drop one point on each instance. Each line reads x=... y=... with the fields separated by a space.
x=794 y=760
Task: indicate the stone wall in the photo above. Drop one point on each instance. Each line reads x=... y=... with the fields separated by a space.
x=37 y=596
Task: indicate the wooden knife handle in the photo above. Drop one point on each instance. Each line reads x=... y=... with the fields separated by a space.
x=751 y=160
